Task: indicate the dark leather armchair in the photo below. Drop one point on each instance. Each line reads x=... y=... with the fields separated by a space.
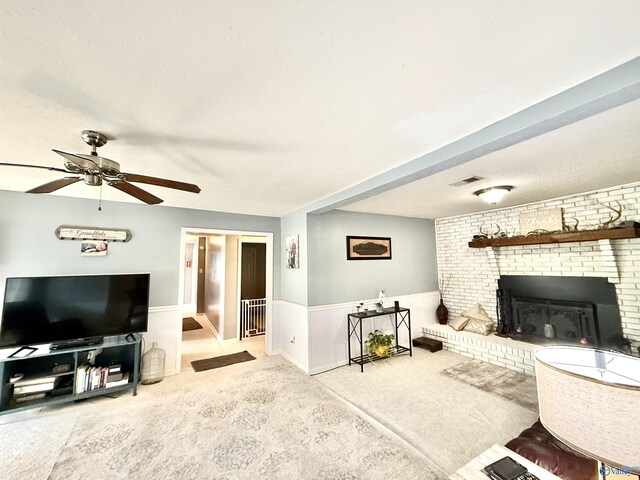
x=539 y=446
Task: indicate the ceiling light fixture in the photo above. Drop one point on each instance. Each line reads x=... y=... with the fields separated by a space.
x=493 y=195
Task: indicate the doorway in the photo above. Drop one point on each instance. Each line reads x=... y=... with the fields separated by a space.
x=253 y=301
x=231 y=267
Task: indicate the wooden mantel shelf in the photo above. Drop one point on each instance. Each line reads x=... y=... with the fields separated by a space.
x=565 y=237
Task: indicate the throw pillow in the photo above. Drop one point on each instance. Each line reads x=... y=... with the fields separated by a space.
x=458 y=323
x=477 y=312
x=483 y=327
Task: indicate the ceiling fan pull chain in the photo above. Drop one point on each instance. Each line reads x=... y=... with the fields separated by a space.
x=100 y=201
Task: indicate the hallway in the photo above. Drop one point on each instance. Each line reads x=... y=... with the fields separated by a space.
x=201 y=343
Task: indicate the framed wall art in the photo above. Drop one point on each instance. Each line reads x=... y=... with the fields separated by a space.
x=292 y=252
x=368 y=248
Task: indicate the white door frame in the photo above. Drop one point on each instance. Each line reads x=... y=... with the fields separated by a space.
x=268 y=339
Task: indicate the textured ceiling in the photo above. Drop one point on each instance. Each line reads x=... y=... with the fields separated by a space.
x=270 y=106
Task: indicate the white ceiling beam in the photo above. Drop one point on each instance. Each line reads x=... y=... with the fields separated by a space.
x=608 y=90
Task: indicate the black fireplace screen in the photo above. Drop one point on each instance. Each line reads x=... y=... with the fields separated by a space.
x=572 y=309
x=561 y=320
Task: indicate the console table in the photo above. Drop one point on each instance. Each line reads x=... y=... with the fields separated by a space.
x=401 y=316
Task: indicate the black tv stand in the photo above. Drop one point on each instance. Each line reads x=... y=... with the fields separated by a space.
x=55 y=377
x=78 y=342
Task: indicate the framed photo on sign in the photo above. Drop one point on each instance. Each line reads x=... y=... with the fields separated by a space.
x=368 y=248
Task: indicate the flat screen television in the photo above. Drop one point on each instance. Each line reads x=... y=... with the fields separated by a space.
x=39 y=310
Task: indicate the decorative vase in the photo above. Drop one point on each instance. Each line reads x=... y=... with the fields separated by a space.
x=382 y=350
x=379 y=308
x=442 y=313
x=549 y=331
x=152 y=370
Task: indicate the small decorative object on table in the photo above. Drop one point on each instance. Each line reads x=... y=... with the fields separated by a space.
x=359 y=305
x=152 y=370
x=379 y=344
x=380 y=302
x=442 y=312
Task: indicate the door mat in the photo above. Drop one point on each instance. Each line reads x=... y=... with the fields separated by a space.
x=222 y=361
x=516 y=387
x=190 y=323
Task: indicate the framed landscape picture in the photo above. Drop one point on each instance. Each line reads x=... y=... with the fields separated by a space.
x=368 y=248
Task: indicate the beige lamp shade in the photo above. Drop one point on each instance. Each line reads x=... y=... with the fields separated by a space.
x=590 y=400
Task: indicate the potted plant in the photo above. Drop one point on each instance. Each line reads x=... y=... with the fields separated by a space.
x=379 y=343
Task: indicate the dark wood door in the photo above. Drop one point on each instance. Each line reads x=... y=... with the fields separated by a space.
x=202 y=262
x=254 y=276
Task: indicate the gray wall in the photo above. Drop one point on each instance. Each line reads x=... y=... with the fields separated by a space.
x=334 y=279
x=28 y=245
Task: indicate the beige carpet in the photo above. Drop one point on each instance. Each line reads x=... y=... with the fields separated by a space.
x=260 y=419
x=450 y=422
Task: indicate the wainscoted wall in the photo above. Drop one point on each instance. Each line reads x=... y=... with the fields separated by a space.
x=291 y=320
x=321 y=331
x=328 y=328
x=164 y=328
x=473 y=272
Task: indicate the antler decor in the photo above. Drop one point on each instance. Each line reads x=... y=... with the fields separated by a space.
x=572 y=228
x=610 y=223
x=489 y=235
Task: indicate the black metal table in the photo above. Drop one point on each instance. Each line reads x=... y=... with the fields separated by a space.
x=354 y=327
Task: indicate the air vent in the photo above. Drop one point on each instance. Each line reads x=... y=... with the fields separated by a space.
x=466 y=181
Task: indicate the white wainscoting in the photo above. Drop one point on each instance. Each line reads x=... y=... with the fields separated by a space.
x=165 y=329
x=328 y=328
x=320 y=332
x=290 y=321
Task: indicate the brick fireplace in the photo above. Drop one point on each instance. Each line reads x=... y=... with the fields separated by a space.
x=475 y=272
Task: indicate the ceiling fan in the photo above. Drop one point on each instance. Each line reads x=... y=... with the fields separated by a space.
x=95 y=170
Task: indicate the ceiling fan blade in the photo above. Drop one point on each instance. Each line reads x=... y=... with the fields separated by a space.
x=54 y=169
x=55 y=185
x=161 y=182
x=79 y=160
x=137 y=192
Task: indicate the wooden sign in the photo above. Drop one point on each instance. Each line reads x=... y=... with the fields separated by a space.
x=66 y=232
x=549 y=220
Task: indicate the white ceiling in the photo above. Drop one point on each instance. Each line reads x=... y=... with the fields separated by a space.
x=272 y=105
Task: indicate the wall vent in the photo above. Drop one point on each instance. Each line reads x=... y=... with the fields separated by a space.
x=466 y=181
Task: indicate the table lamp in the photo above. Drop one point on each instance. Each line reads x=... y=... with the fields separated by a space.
x=590 y=400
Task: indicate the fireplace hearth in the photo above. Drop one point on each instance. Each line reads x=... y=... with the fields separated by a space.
x=560 y=310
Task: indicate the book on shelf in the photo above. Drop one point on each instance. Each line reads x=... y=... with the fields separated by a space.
x=115 y=368
x=25 y=382
x=36 y=388
x=91 y=378
x=123 y=381
x=28 y=398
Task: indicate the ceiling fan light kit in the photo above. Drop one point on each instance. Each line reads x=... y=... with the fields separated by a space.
x=95 y=170
x=493 y=195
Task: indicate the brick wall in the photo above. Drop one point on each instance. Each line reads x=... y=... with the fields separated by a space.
x=473 y=272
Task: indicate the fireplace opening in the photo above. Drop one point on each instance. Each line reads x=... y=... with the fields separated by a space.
x=560 y=310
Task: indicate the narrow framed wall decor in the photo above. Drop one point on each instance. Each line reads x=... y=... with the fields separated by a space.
x=292 y=251
x=368 y=248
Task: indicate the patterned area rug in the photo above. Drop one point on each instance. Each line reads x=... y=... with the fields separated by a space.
x=264 y=420
x=514 y=386
x=190 y=323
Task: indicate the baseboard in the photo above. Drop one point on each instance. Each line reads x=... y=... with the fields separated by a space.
x=326 y=368
x=290 y=359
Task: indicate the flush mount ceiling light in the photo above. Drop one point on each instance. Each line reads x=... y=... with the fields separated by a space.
x=493 y=195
